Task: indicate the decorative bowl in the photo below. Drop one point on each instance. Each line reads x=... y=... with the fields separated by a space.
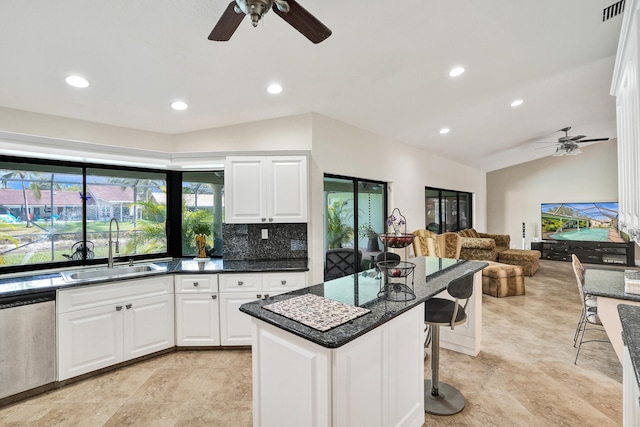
x=399 y=240
x=396 y=268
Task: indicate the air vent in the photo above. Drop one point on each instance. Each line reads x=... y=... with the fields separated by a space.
x=613 y=10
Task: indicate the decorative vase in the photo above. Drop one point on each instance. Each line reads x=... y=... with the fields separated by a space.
x=201 y=241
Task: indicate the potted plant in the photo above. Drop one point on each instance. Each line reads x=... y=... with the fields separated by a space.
x=338 y=229
x=366 y=232
x=201 y=232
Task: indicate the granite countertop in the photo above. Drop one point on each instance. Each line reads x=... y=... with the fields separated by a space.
x=630 y=319
x=430 y=277
x=606 y=283
x=30 y=283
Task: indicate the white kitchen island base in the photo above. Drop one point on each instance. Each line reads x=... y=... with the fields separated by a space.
x=374 y=380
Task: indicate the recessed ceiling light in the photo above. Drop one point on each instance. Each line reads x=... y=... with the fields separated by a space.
x=274 y=88
x=179 y=105
x=445 y=130
x=517 y=102
x=456 y=72
x=77 y=81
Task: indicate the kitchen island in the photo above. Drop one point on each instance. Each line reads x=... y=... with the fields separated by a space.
x=365 y=371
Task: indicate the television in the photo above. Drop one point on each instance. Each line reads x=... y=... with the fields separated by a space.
x=591 y=222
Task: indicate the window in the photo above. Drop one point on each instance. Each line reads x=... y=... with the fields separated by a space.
x=202 y=204
x=55 y=213
x=355 y=212
x=447 y=210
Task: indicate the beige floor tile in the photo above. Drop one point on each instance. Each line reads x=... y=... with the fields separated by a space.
x=146 y=414
x=77 y=414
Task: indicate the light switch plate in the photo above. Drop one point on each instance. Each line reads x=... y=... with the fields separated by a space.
x=265 y=233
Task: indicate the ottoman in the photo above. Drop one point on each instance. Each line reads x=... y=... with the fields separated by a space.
x=502 y=280
x=527 y=259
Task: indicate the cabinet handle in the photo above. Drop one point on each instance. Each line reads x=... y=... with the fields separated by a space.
x=258 y=296
x=128 y=306
x=240 y=283
x=118 y=307
x=266 y=296
x=195 y=284
x=214 y=296
x=264 y=219
x=270 y=219
x=283 y=282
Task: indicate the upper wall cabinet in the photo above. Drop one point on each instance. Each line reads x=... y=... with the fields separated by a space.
x=265 y=189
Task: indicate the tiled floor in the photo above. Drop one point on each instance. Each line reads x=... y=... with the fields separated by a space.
x=524 y=376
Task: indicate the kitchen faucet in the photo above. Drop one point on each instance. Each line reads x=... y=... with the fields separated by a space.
x=110 y=259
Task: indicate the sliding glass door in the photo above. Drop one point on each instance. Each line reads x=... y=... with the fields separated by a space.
x=354 y=216
x=447 y=210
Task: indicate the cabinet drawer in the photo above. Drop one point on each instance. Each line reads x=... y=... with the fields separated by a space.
x=91 y=296
x=196 y=283
x=241 y=282
x=283 y=282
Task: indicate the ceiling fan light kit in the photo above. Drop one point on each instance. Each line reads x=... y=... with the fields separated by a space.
x=289 y=10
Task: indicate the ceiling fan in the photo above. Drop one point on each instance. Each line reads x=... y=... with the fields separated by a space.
x=568 y=145
x=289 y=10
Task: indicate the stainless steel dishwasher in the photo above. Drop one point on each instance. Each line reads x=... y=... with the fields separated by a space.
x=27 y=342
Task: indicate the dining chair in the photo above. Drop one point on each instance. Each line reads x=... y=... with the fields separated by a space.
x=589 y=312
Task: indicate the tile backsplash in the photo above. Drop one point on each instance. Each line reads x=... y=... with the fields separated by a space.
x=244 y=241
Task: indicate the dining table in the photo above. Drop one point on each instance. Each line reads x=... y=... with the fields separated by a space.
x=607 y=285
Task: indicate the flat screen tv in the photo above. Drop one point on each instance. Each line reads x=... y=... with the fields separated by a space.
x=592 y=222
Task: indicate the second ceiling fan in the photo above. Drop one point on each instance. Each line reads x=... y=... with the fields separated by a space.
x=568 y=145
x=289 y=10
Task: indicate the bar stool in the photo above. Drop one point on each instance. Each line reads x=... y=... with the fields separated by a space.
x=441 y=398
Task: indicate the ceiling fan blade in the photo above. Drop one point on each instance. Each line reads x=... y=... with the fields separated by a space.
x=303 y=21
x=227 y=24
x=575 y=138
x=594 y=140
x=546 y=146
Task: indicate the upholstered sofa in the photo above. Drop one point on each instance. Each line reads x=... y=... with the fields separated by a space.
x=482 y=246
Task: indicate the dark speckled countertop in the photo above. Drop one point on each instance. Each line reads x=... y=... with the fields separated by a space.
x=630 y=319
x=431 y=276
x=606 y=283
x=30 y=283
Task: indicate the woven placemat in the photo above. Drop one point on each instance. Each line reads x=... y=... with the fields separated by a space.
x=316 y=312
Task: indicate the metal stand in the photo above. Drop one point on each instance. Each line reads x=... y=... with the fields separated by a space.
x=440 y=398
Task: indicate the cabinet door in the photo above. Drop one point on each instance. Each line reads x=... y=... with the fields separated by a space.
x=197 y=320
x=287 y=189
x=235 y=326
x=89 y=339
x=148 y=326
x=245 y=190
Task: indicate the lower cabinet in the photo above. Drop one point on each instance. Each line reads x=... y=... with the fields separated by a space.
x=630 y=393
x=99 y=326
x=197 y=310
x=239 y=288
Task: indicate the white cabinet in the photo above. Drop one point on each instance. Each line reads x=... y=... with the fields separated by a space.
x=197 y=310
x=266 y=189
x=237 y=289
x=374 y=380
x=99 y=326
x=630 y=393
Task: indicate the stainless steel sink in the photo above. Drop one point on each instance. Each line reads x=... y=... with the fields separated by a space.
x=116 y=272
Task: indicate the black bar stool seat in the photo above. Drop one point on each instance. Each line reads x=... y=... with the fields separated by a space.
x=441 y=398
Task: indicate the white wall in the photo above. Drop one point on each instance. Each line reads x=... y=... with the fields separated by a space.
x=514 y=194
x=335 y=147
x=342 y=149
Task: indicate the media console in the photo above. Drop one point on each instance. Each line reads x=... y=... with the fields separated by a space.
x=587 y=252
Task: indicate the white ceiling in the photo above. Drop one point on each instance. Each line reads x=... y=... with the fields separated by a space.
x=384 y=69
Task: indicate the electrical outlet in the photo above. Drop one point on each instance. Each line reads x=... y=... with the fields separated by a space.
x=265 y=233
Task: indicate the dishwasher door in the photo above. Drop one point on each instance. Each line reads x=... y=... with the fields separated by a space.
x=27 y=342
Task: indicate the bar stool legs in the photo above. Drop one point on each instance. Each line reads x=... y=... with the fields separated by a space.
x=440 y=398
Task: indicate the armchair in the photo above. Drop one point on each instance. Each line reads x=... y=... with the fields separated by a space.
x=483 y=246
